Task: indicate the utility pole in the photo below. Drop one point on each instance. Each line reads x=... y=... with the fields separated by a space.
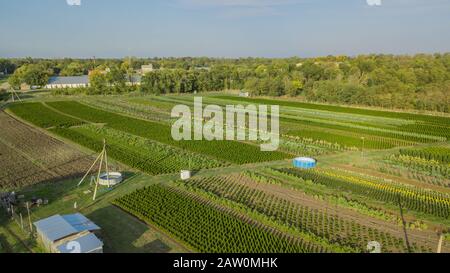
x=92 y=166
x=98 y=174
x=106 y=162
x=21 y=221
x=14 y=95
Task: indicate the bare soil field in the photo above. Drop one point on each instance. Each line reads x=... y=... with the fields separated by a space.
x=29 y=156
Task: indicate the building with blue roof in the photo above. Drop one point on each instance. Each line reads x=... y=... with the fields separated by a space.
x=58 y=233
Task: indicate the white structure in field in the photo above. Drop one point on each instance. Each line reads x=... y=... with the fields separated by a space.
x=186 y=175
x=72 y=233
x=111 y=179
x=68 y=82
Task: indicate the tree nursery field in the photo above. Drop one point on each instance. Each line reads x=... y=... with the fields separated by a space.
x=381 y=176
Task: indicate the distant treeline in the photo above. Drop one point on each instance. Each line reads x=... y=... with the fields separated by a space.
x=419 y=82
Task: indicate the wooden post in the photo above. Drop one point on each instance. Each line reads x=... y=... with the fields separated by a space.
x=441 y=241
x=29 y=218
x=21 y=221
x=92 y=166
x=106 y=162
x=98 y=175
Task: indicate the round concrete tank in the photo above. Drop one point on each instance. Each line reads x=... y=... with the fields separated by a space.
x=110 y=179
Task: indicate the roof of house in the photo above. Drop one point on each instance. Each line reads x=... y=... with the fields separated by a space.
x=58 y=227
x=69 y=80
x=87 y=243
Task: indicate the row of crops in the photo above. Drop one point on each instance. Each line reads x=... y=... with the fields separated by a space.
x=150 y=157
x=203 y=226
x=419 y=200
x=427 y=129
x=437 y=120
x=344 y=136
x=429 y=167
x=346 y=132
x=439 y=154
x=41 y=116
x=230 y=151
x=125 y=107
x=368 y=129
x=321 y=224
x=349 y=125
x=345 y=140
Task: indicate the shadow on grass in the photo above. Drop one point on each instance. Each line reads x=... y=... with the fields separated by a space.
x=121 y=232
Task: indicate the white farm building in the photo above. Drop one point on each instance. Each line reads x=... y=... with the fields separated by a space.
x=69 y=233
x=82 y=82
x=68 y=82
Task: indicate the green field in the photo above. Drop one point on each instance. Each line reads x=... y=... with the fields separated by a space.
x=381 y=174
x=220 y=231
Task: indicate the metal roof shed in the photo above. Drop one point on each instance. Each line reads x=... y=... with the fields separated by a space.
x=79 y=222
x=54 y=228
x=88 y=243
x=58 y=227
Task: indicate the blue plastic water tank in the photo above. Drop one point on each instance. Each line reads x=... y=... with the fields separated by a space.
x=305 y=163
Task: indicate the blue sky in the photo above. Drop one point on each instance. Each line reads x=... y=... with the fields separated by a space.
x=222 y=28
